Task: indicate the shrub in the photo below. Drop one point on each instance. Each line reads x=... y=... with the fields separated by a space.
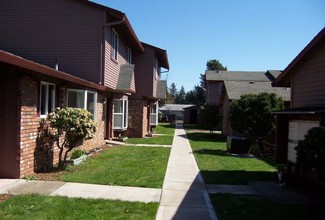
x=77 y=153
x=70 y=126
x=252 y=115
x=311 y=150
x=209 y=115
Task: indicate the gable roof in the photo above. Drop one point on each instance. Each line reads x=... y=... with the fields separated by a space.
x=284 y=78
x=161 y=55
x=273 y=74
x=124 y=27
x=235 y=89
x=12 y=59
x=236 y=75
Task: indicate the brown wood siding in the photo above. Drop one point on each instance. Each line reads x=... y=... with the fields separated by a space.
x=308 y=87
x=226 y=128
x=213 y=97
x=144 y=75
x=46 y=31
x=112 y=67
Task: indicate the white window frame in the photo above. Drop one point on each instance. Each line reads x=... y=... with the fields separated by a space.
x=154 y=114
x=115 y=44
x=47 y=84
x=124 y=114
x=129 y=55
x=85 y=97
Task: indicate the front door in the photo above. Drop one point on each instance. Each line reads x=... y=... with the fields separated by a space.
x=9 y=163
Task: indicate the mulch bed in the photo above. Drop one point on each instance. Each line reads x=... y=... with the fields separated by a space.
x=4 y=197
x=55 y=173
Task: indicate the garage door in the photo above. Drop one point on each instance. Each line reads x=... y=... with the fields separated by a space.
x=297 y=132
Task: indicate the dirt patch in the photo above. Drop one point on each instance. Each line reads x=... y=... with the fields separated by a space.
x=4 y=197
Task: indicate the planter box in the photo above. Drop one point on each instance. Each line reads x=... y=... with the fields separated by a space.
x=78 y=160
x=238 y=145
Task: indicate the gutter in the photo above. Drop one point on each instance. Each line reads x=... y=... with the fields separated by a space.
x=102 y=47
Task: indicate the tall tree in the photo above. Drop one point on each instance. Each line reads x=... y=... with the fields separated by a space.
x=180 y=96
x=173 y=90
x=171 y=95
x=211 y=65
x=196 y=96
x=215 y=65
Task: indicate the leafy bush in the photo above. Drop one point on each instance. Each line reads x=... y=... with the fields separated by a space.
x=77 y=153
x=209 y=115
x=252 y=115
x=70 y=126
x=311 y=150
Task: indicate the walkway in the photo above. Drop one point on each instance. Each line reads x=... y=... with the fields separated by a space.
x=79 y=190
x=184 y=194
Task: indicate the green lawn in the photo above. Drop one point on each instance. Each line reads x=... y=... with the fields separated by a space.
x=124 y=166
x=161 y=140
x=46 y=207
x=164 y=128
x=233 y=207
x=218 y=167
x=166 y=139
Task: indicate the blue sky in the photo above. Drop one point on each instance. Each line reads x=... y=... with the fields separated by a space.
x=244 y=35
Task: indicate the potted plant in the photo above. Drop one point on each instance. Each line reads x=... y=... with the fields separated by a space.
x=77 y=157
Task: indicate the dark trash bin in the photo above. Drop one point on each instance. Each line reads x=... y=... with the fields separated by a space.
x=238 y=145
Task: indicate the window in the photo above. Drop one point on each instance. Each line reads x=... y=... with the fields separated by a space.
x=47 y=98
x=120 y=114
x=129 y=56
x=83 y=99
x=114 y=44
x=220 y=85
x=154 y=114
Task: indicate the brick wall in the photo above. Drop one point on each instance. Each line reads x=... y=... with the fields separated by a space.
x=35 y=153
x=29 y=120
x=138 y=119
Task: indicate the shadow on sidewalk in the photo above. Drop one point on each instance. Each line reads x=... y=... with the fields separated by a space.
x=190 y=203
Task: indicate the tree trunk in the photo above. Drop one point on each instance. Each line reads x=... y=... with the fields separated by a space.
x=60 y=165
x=260 y=144
x=66 y=154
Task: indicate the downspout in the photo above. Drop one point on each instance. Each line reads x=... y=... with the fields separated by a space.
x=102 y=48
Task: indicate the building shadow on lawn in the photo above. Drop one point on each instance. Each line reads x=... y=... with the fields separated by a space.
x=216 y=152
x=236 y=177
x=208 y=137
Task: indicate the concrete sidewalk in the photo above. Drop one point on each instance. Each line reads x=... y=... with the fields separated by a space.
x=79 y=190
x=184 y=194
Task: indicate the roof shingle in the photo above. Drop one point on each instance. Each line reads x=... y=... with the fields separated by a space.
x=236 y=75
x=237 y=88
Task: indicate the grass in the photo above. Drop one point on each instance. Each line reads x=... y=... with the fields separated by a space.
x=166 y=139
x=124 y=166
x=219 y=167
x=233 y=207
x=165 y=128
x=46 y=207
x=161 y=140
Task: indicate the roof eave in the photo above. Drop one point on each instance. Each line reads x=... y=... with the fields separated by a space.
x=31 y=65
x=282 y=79
x=162 y=55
